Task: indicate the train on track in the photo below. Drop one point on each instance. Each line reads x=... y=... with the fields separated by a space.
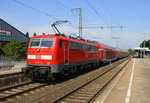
x=51 y=56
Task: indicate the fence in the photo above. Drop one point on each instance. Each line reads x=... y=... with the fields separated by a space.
x=6 y=64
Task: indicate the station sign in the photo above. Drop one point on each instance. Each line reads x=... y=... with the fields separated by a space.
x=5 y=32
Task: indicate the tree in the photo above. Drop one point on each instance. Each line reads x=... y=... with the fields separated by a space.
x=34 y=34
x=147 y=44
x=132 y=52
x=27 y=34
x=15 y=49
x=24 y=49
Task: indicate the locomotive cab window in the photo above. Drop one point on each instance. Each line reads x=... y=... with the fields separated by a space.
x=46 y=42
x=41 y=43
x=35 y=42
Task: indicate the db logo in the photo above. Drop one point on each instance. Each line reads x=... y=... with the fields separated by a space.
x=38 y=57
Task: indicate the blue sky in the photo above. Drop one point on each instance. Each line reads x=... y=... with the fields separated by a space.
x=134 y=14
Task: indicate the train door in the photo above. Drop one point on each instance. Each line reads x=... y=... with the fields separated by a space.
x=66 y=52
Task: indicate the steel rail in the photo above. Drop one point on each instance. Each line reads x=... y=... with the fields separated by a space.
x=98 y=92
x=15 y=86
x=21 y=89
x=63 y=98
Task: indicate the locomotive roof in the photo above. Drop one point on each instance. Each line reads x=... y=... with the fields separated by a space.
x=64 y=38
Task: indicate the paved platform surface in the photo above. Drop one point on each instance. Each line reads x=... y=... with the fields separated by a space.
x=132 y=85
x=11 y=71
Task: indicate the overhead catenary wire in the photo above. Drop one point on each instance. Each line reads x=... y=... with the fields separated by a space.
x=66 y=7
x=62 y=4
x=112 y=17
x=78 y=6
x=98 y=14
x=109 y=11
x=37 y=10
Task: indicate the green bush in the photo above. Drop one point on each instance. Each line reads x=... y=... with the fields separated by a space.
x=1 y=51
x=132 y=52
x=15 y=49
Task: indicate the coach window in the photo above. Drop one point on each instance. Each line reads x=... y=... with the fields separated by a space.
x=84 y=47
x=70 y=45
x=77 y=46
x=61 y=43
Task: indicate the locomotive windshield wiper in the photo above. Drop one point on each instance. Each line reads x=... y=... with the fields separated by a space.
x=57 y=23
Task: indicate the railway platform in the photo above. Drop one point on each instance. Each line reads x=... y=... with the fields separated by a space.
x=15 y=69
x=11 y=71
x=12 y=75
x=132 y=85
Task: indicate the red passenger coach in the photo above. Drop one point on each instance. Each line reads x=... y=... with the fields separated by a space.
x=106 y=53
x=49 y=55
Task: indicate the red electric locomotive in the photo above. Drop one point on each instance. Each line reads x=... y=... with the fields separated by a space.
x=49 y=55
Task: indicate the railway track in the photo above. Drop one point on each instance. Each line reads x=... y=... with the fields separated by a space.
x=82 y=89
x=89 y=91
x=13 y=91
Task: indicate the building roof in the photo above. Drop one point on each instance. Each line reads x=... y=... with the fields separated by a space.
x=141 y=49
x=16 y=34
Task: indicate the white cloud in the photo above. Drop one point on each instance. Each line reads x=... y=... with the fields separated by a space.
x=40 y=29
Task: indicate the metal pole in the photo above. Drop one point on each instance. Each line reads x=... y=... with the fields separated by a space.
x=116 y=40
x=80 y=20
x=80 y=23
x=144 y=45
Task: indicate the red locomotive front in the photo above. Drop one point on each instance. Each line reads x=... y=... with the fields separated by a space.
x=40 y=51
